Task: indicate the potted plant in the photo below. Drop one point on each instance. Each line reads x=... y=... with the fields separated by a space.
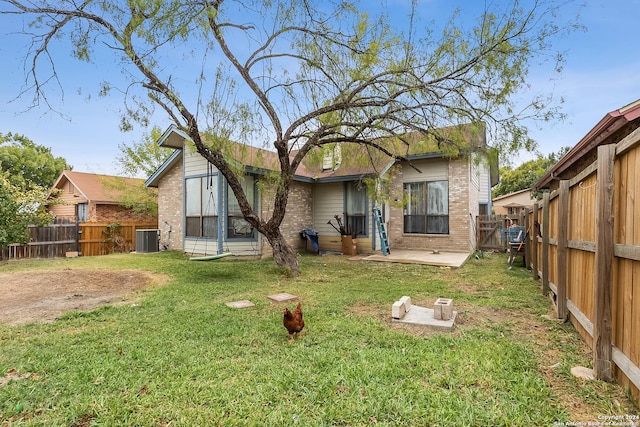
x=349 y=238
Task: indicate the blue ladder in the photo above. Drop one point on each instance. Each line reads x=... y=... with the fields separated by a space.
x=384 y=240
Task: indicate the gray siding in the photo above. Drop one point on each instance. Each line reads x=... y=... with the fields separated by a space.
x=328 y=201
x=431 y=170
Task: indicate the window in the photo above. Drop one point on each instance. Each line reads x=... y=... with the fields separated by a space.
x=356 y=208
x=82 y=212
x=427 y=208
x=201 y=212
x=514 y=210
x=237 y=226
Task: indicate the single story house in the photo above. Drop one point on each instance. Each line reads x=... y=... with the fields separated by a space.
x=88 y=197
x=434 y=208
x=513 y=203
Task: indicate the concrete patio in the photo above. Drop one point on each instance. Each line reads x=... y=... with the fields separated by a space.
x=405 y=256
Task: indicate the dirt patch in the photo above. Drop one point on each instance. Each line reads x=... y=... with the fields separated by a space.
x=45 y=295
x=12 y=374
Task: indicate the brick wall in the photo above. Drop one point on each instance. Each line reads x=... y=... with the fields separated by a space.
x=460 y=230
x=116 y=213
x=298 y=217
x=459 y=189
x=170 y=209
x=395 y=221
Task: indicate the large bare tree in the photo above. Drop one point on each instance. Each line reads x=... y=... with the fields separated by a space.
x=300 y=75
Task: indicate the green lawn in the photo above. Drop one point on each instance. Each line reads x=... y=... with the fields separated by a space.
x=180 y=357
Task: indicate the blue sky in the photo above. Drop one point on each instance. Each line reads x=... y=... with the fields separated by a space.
x=600 y=75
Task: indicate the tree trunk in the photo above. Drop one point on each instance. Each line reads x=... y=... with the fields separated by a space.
x=283 y=253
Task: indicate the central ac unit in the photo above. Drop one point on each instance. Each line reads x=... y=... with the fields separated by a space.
x=147 y=241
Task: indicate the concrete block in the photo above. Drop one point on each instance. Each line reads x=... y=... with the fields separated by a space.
x=397 y=310
x=425 y=317
x=443 y=309
x=71 y=254
x=406 y=301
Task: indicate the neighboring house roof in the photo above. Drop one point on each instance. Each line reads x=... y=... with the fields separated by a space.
x=94 y=187
x=510 y=195
x=359 y=160
x=516 y=200
x=610 y=129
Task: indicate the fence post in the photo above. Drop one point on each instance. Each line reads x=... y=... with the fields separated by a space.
x=563 y=224
x=77 y=233
x=545 y=243
x=527 y=236
x=604 y=257
x=534 y=240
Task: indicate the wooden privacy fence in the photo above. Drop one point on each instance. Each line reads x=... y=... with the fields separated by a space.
x=588 y=256
x=101 y=238
x=87 y=238
x=51 y=241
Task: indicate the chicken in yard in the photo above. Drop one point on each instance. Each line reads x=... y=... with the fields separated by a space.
x=293 y=321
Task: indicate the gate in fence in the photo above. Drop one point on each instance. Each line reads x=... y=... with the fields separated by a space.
x=493 y=232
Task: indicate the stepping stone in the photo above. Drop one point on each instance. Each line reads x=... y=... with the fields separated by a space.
x=582 y=372
x=282 y=297
x=240 y=304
